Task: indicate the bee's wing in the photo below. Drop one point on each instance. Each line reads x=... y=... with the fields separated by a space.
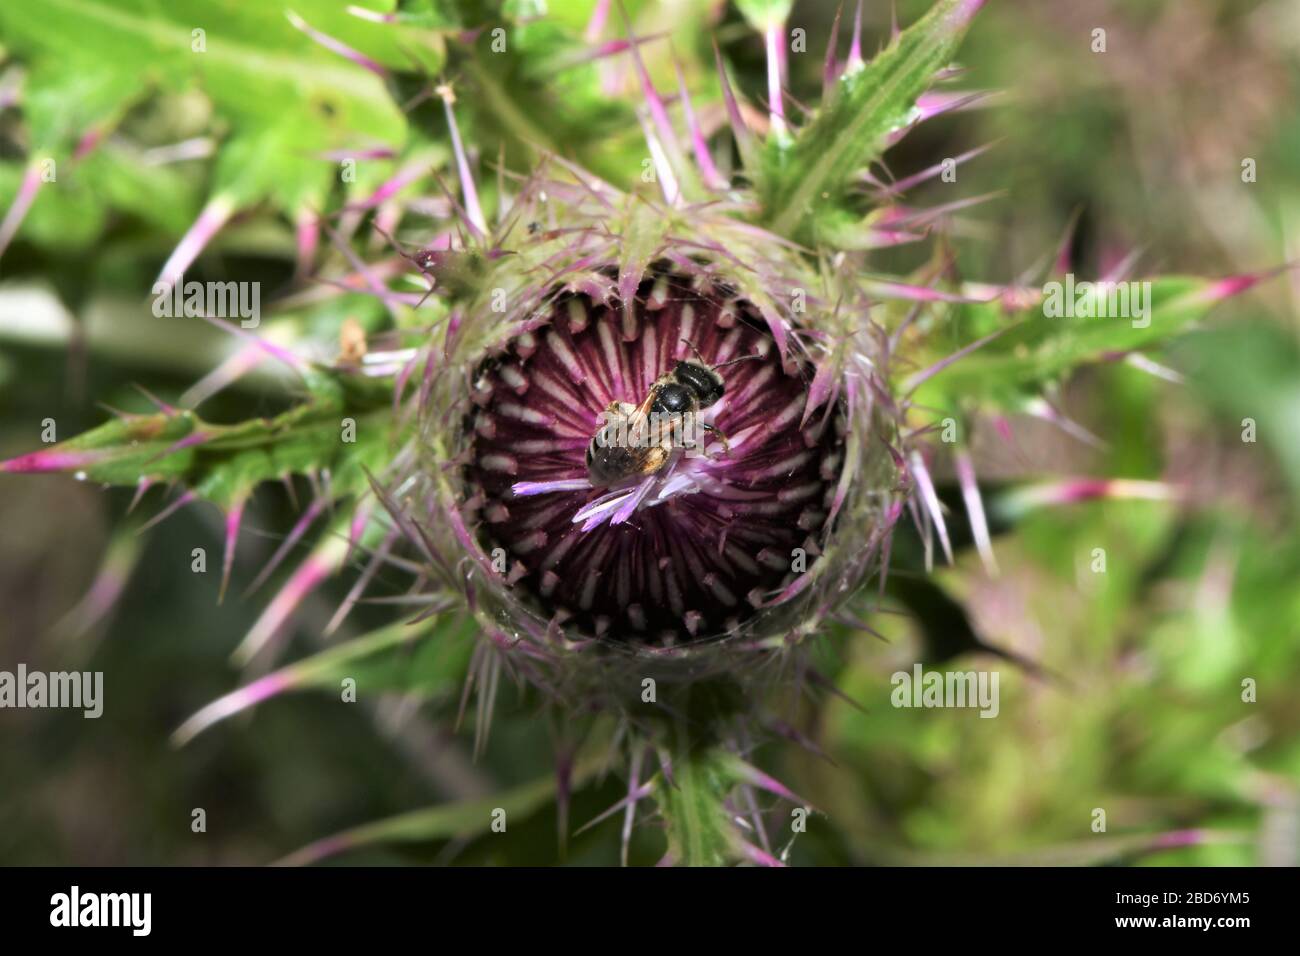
x=620 y=411
x=642 y=410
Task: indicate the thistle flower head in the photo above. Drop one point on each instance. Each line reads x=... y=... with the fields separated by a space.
x=742 y=537
x=692 y=549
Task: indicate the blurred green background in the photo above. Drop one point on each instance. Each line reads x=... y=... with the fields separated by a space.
x=1138 y=706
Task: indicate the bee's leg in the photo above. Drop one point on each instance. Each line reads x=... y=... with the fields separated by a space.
x=684 y=434
x=717 y=432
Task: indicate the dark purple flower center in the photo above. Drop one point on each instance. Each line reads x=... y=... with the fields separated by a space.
x=704 y=543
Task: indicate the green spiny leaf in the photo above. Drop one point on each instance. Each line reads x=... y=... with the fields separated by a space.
x=249 y=60
x=463 y=820
x=223 y=463
x=797 y=179
x=1037 y=349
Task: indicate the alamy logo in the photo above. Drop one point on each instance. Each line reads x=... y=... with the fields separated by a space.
x=626 y=430
x=946 y=689
x=80 y=690
x=103 y=909
x=218 y=300
x=1098 y=300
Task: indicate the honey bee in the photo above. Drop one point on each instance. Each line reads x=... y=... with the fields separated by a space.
x=639 y=440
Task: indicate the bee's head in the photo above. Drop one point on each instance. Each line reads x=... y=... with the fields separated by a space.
x=703 y=382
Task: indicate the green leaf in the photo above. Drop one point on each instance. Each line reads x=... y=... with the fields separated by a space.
x=797 y=179
x=533 y=97
x=260 y=72
x=383 y=660
x=762 y=14
x=65 y=104
x=66 y=216
x=1251 y=370
x=1036 y=349
x=223 y=463
x=463 y=820
x=161 y=196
